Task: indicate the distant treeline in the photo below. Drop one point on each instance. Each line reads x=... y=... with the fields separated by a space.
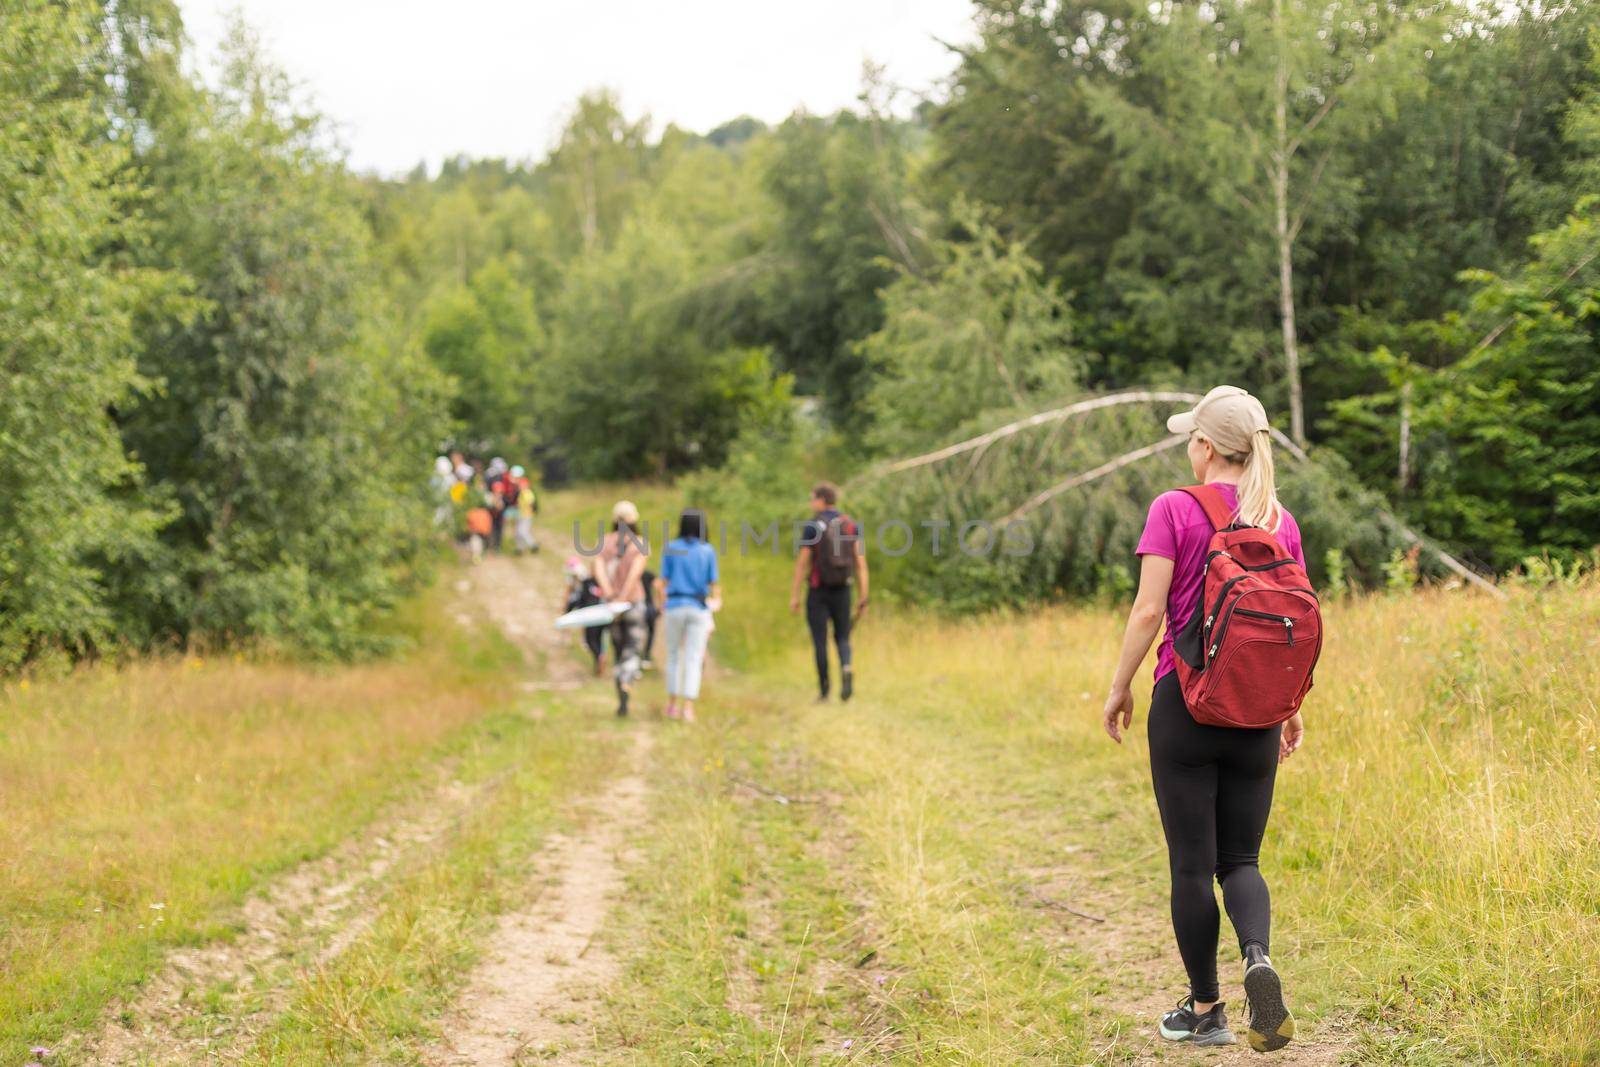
x=229 y=358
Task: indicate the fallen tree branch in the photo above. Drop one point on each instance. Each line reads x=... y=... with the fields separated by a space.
x=1050 y=902
x=770 y=794
x=1493 y=335
x=1042 y=498
x=1411 y=536
x=1040 y=419
x=1455 y=565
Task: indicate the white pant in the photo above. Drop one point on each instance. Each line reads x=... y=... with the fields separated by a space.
x=687 y=632
x=523 y=532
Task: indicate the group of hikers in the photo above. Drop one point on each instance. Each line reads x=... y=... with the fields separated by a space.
x=474 y=500
x=1221 y=561
x=686 y=594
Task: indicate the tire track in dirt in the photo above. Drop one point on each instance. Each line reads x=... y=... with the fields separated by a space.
x=207 y=1003
x=535 y=994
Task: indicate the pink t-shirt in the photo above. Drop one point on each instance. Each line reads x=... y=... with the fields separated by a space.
x=1179 y=530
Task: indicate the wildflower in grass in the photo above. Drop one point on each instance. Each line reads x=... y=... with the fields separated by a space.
x=849 y=1043
x=158 y=906
x=39 y=1052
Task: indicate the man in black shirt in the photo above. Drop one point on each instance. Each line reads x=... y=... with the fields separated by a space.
x=831 y=554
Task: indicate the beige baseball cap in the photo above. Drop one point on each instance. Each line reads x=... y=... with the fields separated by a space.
x=625 y=512
x=1229 y=418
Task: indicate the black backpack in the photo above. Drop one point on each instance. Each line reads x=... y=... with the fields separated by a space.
x=836 y=552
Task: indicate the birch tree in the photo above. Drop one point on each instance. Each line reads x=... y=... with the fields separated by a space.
x=1264 y=109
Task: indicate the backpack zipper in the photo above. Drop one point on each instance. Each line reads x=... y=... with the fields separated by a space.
x=1288 y=623
x=1288 y=627
x=1268 y=566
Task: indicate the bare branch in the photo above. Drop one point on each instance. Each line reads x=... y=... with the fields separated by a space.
x=1305 y=200
x=1040 y=419
x=1494 y=335
x=894 y=238
x=1315 y=120
x=1040 y=499
x=1446 y=558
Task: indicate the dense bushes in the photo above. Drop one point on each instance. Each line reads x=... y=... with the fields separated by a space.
x=69 y=296
x=214 y=422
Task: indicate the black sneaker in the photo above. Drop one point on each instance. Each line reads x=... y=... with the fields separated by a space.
x=1182 y=1024
x=1271 y=1025
x=847 y=683
x=622 y=702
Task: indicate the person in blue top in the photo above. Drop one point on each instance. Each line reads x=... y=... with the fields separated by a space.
x=689 y=585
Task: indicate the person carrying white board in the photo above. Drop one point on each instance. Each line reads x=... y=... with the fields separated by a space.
x=619 y=570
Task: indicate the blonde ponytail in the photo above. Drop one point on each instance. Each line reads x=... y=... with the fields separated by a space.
x=1258 y=488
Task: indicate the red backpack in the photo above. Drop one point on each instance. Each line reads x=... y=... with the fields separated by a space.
x=1245 y=657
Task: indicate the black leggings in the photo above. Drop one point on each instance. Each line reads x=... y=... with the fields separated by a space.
x=826 y=603
x=1214 y=788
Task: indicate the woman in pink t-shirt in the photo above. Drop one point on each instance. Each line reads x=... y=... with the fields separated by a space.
x=1213 y=784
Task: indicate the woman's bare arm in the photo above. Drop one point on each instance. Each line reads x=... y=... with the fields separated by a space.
x=1144 y=621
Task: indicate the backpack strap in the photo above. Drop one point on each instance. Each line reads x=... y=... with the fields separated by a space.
x=1216 y=508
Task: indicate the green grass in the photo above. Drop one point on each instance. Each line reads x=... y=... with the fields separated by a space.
x=379 y=1000
x=911 y=877
x=141 y=801
x=1432 y=851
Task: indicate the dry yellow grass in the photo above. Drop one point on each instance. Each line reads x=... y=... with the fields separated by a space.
x=1433 y=850
x=138 y=800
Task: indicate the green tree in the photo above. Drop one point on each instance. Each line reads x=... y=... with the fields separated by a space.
x=69 y=297
x=290 y=421
x=1264 y=110
x=1509 y=436
x=844 y=219
x=644 y=376
x=597 y=168
x=1018 y=131
x=981 y=332
x=486 y=335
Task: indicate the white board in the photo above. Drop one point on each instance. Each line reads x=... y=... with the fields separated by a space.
x=593 y=615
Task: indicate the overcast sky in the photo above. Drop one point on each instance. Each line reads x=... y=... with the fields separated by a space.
x=409 y=80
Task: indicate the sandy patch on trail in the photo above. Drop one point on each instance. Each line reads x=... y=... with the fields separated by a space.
x=524 y=597
x=534 y=997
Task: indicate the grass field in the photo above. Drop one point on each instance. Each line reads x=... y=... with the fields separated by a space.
x=957 y=867
x=140 y=801
x=1433 y=849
